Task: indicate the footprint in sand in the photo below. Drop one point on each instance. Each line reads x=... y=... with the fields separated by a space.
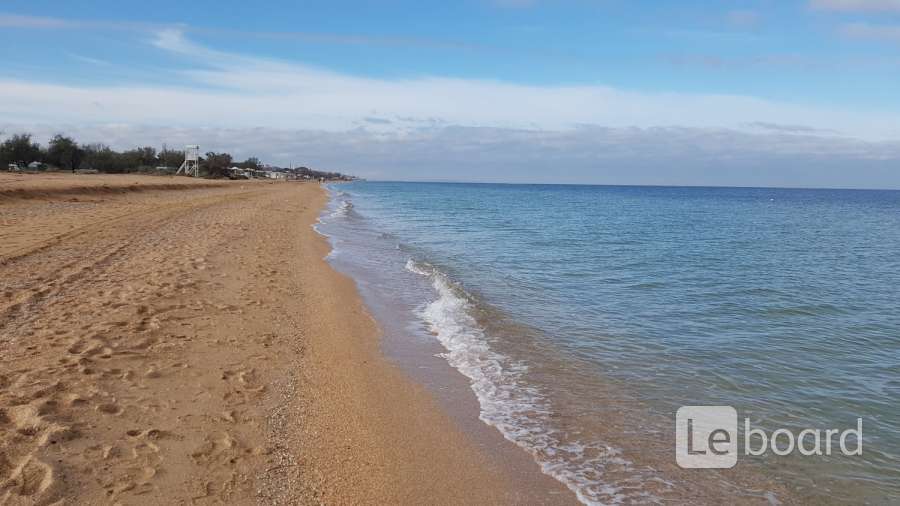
x=30 y=477
x=110 y=408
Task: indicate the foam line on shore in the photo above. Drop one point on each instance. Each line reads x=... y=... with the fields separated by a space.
x=507 y=401
x=520 y=411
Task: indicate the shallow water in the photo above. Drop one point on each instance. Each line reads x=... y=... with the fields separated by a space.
x=584 y=316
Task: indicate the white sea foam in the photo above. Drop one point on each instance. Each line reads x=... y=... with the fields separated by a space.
x=519 y=410
x=323 y=220
x=343 y=209
x=315 y=227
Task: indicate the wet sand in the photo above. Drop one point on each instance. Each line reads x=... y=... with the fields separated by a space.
x=174 y=341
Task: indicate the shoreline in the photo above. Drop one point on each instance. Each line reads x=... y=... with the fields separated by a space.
x=420 y=368
x=196 y=346
x=416 y=302
x=412 y=452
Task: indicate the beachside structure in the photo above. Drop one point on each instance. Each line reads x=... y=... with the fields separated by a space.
x=268 y=172
x=191 y=164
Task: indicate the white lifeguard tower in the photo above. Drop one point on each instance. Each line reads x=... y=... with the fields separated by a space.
x=191 y=165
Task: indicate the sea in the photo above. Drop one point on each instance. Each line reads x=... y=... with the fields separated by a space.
x=581 y=318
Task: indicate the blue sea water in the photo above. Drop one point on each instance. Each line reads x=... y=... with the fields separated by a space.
x=584 y=316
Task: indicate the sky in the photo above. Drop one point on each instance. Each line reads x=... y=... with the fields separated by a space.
x=730 y=93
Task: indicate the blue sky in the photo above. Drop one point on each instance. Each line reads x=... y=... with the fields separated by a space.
x=787 y=93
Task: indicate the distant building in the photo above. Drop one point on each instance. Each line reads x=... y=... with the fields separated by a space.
x=237 y=172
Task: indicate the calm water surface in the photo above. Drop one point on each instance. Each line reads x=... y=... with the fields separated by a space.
x=584 y=316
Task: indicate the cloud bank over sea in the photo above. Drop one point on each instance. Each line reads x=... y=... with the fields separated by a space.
x=443 y=128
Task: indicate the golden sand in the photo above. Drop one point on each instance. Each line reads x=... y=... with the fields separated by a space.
x=171 y=341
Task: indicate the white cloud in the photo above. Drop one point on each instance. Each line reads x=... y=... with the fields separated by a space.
x=50 y=23
x=796 y=129
x=771 y=155
x=871 y=32
x=17 y=21
x=857 y=5
x=87 y=59
x=230 y=90
x=469 y=129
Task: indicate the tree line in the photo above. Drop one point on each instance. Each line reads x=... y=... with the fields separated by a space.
x=65 y=153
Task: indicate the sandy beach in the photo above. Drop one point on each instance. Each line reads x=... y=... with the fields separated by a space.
x=179 y=341
x=499 y=252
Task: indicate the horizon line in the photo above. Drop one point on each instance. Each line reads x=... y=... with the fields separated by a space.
x=625 y=185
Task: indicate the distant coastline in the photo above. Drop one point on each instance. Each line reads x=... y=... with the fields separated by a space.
x=20 y=153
